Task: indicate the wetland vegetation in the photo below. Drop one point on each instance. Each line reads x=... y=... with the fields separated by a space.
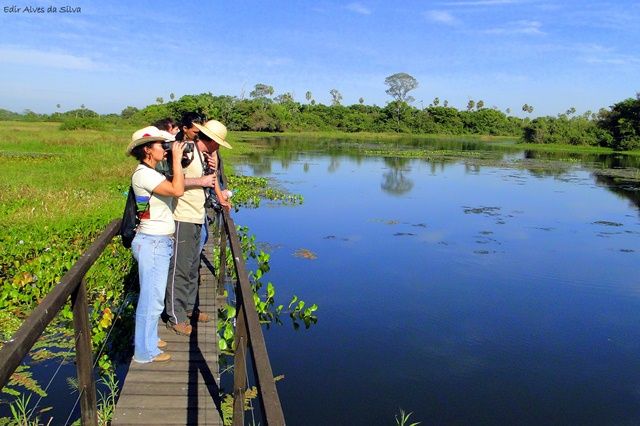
x=59 y=188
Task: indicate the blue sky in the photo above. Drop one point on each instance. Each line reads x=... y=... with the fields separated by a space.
x=550 y=54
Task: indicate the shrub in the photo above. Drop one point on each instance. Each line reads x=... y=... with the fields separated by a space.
x=83 y=123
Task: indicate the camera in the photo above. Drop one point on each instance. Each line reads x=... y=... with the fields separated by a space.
x=211 y=199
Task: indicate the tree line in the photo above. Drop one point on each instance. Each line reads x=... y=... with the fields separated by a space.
x=617 y=127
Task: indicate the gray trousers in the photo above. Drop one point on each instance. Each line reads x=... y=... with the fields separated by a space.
x=182 y=282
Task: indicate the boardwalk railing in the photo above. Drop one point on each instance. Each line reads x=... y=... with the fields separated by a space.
x=248 y=335
x=248 y=330
x=71 y=285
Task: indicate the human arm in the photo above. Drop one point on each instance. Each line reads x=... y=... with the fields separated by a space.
x=175 y=187
x=205 y=181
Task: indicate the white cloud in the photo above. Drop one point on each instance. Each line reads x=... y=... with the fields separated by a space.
x=518 y=27
x=358 y=8
x=47 y=59
x=441 y=16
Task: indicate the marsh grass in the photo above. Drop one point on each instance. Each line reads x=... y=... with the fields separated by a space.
x=49 y=176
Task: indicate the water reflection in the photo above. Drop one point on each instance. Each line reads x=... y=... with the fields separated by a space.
x=395 y=180
x=627 y=189
x=396 y=176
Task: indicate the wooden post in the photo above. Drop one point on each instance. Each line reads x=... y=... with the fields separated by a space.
x=239 y=364
x=223 y=256
x=84 y=358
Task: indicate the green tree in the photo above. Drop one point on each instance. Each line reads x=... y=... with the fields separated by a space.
x=128 y=112
x=284 y=98
x=172 y=96
x=261 y=90
x=480 y=105
x=308 y=96
x=527 y=108
x=436 y=101
x=623 y=124
x=471 y=104
x=361 y=100
x=336 y=97
x=400 y=84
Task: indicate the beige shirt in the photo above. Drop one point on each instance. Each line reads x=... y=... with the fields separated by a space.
x=190 y=207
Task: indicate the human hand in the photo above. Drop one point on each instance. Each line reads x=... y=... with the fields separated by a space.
x=211 y=161
x=208 y=181
x=178 y=149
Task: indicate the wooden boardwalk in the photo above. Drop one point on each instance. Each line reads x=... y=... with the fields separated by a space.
x=185 y=390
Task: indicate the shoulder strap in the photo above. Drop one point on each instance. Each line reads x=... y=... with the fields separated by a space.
x=147 y=206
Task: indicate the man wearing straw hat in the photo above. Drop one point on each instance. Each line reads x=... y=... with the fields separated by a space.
x=211 y=137
x=189 y=214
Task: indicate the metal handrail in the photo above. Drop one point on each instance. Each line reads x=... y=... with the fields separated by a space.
x=71 y=285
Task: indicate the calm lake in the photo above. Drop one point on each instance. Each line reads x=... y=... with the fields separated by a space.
x=496 y=288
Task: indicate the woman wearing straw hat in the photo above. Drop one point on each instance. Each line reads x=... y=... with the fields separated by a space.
x=153 y=243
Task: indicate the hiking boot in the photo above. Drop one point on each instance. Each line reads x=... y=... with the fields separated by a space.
x=180 y=328
x=161 y=344
x=163 y=357
x=202 y=317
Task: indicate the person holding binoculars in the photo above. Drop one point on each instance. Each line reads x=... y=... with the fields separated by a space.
x=153 y=244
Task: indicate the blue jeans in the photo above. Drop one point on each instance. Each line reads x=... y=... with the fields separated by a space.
x=153 y=253
x=204 y=234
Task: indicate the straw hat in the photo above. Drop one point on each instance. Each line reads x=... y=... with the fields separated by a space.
x=148 y=134
x=215 y=130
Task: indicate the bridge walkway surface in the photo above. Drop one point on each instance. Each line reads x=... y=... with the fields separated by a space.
x=184 y=390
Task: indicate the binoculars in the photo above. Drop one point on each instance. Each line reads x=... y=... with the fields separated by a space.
x=188 y=147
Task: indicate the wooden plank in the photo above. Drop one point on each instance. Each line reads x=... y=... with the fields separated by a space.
x=153 y=400
x=178 y=389
x=168 y=377
x=163 y=416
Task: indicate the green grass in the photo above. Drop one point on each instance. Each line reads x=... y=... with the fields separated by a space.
x=579 y=149
x=372 y=137
x=50 y=176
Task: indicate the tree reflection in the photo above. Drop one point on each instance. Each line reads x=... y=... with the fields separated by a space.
x=623 y=187
x=260 y=164
x=334 y=163
x=394 y=180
